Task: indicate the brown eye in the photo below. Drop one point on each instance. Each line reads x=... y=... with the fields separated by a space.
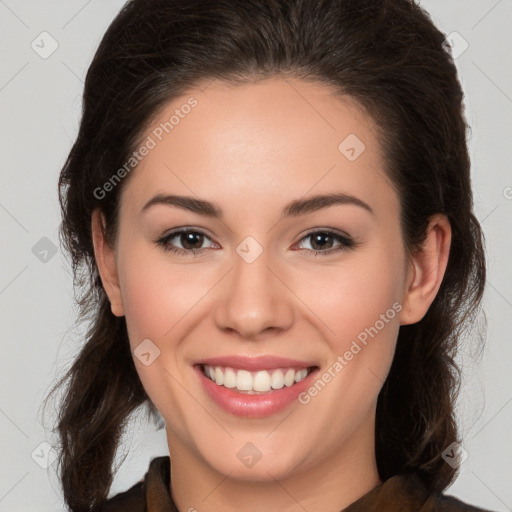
x=321 y=241
x=191 y=241
x=328 y=242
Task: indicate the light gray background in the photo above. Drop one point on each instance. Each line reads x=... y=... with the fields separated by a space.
x=40 y=101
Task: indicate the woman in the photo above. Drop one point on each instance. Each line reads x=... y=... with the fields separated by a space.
x=268 y=208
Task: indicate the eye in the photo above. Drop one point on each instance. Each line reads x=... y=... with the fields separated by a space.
x=191 y=241
x=322 y=242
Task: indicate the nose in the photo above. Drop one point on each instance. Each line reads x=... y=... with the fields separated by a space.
x=255 y=300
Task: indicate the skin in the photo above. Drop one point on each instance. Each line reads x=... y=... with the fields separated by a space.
x=252 y=149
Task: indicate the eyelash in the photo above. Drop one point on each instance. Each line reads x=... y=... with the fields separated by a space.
x=347 y=243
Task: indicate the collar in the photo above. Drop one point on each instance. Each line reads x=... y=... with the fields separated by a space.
x=399 y=493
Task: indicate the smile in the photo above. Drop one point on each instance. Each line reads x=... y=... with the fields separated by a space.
x=254 y=387
x=254 y=382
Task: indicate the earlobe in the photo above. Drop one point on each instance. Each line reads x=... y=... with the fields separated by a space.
x=106 y=262
x=426 y=271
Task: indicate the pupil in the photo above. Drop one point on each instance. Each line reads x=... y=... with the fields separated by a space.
x=317 y=238
x=187 y=240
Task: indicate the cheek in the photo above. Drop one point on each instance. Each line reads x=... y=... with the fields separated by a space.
x=157 y=298
x=156 y=294
x=357 y=306
x=350 y=299
x=358 y=310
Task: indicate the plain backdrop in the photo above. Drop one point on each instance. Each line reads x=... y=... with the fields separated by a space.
x=40 y=100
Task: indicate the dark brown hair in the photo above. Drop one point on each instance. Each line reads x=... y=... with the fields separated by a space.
x=389 y=57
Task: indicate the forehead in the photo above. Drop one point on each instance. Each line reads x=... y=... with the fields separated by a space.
x=274 y=140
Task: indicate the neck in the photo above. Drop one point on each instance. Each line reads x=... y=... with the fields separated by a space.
x=329 y=484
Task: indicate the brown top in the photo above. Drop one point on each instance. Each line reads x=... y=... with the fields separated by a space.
x=397 y=494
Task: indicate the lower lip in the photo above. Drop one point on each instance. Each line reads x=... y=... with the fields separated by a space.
x=254 y=406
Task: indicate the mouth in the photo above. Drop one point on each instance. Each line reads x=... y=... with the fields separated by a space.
x=255 y=382
x=254 y=387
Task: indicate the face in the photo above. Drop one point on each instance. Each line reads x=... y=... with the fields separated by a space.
x=294 y=311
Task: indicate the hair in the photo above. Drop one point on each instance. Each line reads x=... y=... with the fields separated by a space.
x=388 y=56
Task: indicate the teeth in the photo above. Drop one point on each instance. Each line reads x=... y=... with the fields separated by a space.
x=261 y=381
x=219 y=376
x=243 y=380
x=289 y=378
x=301 y=375
x=277 y=380
x=229 y=377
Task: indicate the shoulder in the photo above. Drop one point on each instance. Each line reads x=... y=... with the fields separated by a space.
x=408 y=492
x=132 y=500
x=153 y=486
x=441 y=502
x=446 y=503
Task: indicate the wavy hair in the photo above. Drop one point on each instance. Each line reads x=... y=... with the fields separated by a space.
x=387 y=55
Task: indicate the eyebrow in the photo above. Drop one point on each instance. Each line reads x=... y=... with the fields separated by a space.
x=293 y=209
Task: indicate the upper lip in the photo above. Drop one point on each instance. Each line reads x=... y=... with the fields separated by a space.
x=252 y=363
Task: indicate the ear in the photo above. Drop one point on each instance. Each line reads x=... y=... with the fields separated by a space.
x=426 y=271
x=106 y=262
